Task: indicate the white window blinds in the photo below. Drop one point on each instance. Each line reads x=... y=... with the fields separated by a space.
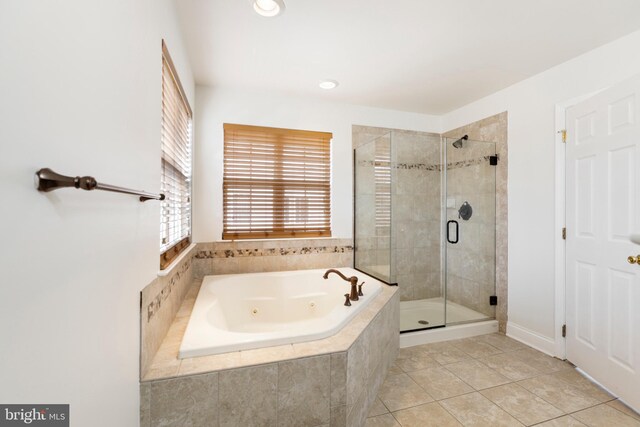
x=175 y=226
x=382 y=173
x=276 y=183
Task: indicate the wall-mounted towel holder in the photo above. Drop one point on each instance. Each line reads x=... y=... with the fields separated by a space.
x=48 y=180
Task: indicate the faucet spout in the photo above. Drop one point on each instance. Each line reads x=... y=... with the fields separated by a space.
x=353 y=280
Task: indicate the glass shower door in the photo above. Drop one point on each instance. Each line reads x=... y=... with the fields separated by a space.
x=470 y=230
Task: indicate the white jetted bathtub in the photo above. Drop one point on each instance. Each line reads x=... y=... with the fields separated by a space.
x=244 y=311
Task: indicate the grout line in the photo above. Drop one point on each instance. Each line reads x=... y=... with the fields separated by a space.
x=218 y=399
x=607 y=403
x=452 y=414
x=394 y=417
x=555 y=418
x=278 y=394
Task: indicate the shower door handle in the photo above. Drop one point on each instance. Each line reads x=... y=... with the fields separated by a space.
x=449 y=231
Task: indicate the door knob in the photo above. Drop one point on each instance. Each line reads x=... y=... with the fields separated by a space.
x=634 y=259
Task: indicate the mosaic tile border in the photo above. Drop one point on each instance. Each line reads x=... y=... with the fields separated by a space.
x=166 y=291
x=467 y=163
x=257 y=252
x=424 y=166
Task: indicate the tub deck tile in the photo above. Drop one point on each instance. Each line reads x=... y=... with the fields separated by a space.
x=167 y=365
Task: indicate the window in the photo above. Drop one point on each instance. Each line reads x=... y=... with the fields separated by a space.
x=276 y=183
x=382 y=174
x=175 y=225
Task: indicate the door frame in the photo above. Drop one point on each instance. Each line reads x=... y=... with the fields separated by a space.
x=560 y=220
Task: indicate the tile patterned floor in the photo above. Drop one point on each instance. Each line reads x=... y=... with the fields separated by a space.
x=492 y=381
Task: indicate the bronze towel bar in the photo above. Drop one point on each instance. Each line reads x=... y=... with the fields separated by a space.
x=48 y=180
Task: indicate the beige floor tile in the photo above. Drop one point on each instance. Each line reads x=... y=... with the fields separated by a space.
x=573 y=377
x=377 y=408
x=475 y=348
x=477 y=374
x=435 y=347
x=624 y=408
x=564 y=396
x=385 y=420
x=473 y=410
x=395 y=369
x=440 y=383
x=416 y=363
x=428 y=415
x=566 y=421
x=400 y=392
x=409 y=352
x=605 y=416
x=501 y=342
x=540 y=361
x=510 y=366
x=449 y=354
x=525 y=406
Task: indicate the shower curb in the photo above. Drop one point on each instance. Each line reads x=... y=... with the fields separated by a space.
x=448 y=333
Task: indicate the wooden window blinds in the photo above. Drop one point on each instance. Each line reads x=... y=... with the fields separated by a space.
x=276 y=183
x=175 y=225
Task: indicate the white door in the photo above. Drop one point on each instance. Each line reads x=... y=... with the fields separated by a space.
x=603 y=200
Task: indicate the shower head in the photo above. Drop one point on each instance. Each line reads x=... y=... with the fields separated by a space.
x=458 y=142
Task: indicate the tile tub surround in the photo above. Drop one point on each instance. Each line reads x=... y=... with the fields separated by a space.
x=251 y=256
x=162 y=298
x=329 y=382
x=491 y=380
x=160 y=301
x=494 y=129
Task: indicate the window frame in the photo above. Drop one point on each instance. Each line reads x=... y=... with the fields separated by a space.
x=280 y=140
x=172 y=252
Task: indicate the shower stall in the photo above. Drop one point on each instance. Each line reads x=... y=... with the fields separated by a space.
x=425 y=219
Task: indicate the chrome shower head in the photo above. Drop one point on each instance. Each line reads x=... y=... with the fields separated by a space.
x=458 y=142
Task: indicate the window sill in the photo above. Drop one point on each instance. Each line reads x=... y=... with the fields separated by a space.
x=279 y=239
x=187 y=252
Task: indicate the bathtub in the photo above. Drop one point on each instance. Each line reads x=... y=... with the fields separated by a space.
x=245 y=311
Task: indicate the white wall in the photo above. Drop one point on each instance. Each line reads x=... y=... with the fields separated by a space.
x=217 y=106
x=532 y=144
x=80 y=85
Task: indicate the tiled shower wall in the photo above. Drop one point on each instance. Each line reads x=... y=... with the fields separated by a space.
x=416 y=212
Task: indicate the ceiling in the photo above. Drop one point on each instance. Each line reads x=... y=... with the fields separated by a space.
x=426 y=56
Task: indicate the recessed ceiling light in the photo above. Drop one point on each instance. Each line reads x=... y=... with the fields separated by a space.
x=268 y=8
x=328 y=84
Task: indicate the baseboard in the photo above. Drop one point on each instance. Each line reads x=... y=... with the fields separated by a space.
x=448 y=333
x=532 y=339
